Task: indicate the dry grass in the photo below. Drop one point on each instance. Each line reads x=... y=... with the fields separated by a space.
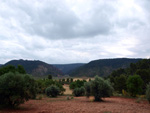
x=68 y=91
x=83 y=78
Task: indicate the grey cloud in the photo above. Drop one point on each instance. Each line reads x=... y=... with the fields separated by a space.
x=56 y=31
x=54 y=20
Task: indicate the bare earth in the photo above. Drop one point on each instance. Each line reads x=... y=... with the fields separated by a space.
x=82 y=105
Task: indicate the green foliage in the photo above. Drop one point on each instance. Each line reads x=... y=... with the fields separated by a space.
x=100 y=88
x=16 y=88
x=71 y=80
x=68 y=80
x=52 y=91
x=21 y=69
x=49 y=76
x=144 y=74
x=102 y=67
x=118 y=72
x=77 y=84
x=120 y=83
x=87 y=86
x=42 y=84
x=141 y=68
x=148 y=92
x=134 y=85
x=11 y=68
x=79 y=91
x=35 y=67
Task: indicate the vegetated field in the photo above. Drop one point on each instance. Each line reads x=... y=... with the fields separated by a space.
x=66 y=86
x=83 y=78
x=81 y=105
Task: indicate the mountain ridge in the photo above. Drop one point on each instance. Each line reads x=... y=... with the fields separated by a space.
x=36 y=67
x=67 y=68
x=103 y=67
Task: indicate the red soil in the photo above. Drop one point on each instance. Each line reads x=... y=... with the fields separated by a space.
x=82 y=105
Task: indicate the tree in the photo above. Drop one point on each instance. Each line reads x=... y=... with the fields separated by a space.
x=148 y=92
x=15 y=89
x=6 y=69
x=49 y=76
x=67 y=80
x=145 y=75
x=77 y=84
x=134 y=85
x=71 y=80
x=87 y=86
x=52 y=91
x=21 y=69
x=120 y=83
x=79 y=91
x=99 y=88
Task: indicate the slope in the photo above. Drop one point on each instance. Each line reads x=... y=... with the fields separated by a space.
x=36 y=68
x=102 y=67
x=67 y=68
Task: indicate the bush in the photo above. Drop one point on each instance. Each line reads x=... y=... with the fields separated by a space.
x=77 y=84
x=43 y=84
x=120 y=83
x=49 y=76
x=52 y=91
x=79 y=91
x=134 y=85
x=100 y=88
x=15 y=89
x=87 y=86
x=148 y=92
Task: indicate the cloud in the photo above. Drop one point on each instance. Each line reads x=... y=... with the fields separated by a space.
x=66 y=31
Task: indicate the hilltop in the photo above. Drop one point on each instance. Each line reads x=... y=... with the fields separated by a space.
x=102 y=67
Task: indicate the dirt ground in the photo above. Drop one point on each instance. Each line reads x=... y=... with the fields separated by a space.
x=81 y=105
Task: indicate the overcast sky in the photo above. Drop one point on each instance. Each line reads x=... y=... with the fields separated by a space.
x=73 y=31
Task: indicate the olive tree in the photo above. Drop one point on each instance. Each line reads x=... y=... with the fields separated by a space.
x=16 y=88
x=99 y=88
x=79 y=91
x=52 y=91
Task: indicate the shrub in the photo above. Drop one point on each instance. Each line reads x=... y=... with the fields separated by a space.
x=120 y=83
x=79 y=91
x=71 y=80
x=43 y=84
x=49 y=76
x=68 y=98
x=77 y=84
x=52 y=91
x=134 y=85
x=15 y=89
x=100 y=88
x=87 y=86
x=148 y=92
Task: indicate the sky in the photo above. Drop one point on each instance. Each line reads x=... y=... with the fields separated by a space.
x=74 y=31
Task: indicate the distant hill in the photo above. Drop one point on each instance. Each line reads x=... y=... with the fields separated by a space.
x=0 y=65
x=102 y=67
x=67 y=68
x=36 y=68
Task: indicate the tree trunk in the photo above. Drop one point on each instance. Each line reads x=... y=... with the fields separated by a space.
x=97 y=99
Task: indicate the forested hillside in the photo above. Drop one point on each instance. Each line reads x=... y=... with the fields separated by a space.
x=141 y=68
x=36 y=68
x=67 y=68
x=102 y=67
